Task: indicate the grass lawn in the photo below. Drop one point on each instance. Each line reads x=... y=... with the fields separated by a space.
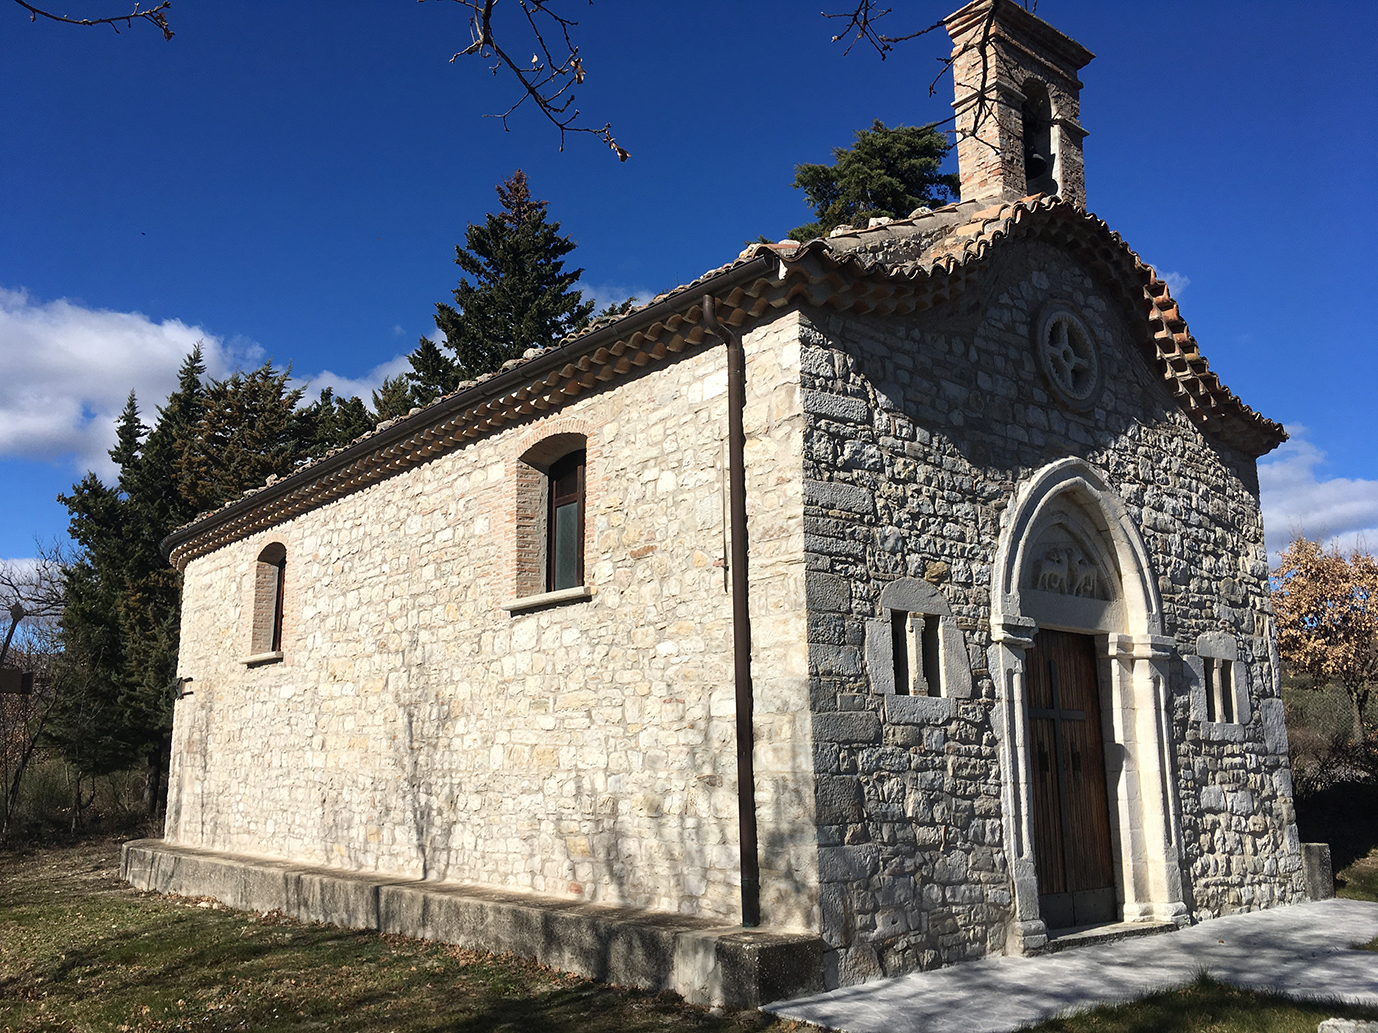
x=81 y=951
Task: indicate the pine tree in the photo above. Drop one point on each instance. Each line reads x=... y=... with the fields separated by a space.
x=122 y=606
x=432 y=373
x=250 y=430
x=335 y=422
x=393 y=399
x=521 y=296
x=886 y=172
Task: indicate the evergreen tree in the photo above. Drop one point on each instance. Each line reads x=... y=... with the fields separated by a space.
x=521 y=295
x=393 y=399
x=432 y=373
x=335 y=422
x=250 y=430
x=886 y=172
x=122 y=606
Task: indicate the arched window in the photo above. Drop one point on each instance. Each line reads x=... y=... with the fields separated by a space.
x=915 y=647
x=564 y=529
x=269 y=570
x=1038 y=139
x=549 y=523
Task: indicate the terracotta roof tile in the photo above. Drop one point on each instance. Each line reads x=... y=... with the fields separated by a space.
x=917 y=263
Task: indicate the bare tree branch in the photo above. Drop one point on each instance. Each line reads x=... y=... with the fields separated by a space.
x=547 y=80
x=154 y=16
x=863 y=18
x=861 y=25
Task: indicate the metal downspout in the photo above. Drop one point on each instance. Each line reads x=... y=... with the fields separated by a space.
x=741 y=614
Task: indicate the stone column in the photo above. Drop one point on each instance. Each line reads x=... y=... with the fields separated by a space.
x=1012 y=639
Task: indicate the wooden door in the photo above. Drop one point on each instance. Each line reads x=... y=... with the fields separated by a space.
x=1076 y=874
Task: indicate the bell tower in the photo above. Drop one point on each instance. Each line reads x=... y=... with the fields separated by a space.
x=1018 y=100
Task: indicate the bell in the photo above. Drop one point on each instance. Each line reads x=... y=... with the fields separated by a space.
x=1035 y=165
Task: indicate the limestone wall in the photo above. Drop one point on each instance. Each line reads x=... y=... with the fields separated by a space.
x=919 y=433
x=415 y=726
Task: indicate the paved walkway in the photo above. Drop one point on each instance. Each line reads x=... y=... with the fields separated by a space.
x=1301 y=951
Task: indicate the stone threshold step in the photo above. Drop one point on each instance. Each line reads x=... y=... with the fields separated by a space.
x=1090 y=935
x=705 y=962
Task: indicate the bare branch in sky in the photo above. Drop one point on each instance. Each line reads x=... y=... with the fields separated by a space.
x=548 y=79
x=154 y=16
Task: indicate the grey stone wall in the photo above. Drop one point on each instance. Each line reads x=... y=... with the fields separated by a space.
x=919 y=432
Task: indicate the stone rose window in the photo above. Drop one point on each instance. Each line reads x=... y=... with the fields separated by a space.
x=1068 y=357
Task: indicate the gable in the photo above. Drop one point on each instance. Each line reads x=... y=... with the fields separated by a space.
x=921 y=262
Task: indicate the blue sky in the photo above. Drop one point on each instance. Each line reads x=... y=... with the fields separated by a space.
x=290 y=183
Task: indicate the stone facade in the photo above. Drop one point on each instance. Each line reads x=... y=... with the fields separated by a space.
x=583 y=750
x=963 y=429
x=919 y=434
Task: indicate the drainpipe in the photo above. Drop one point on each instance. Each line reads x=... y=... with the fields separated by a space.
x=741 y=615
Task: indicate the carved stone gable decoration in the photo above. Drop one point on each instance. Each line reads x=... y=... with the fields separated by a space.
x=1066 y=570
x=1068 y=357
x=1059 y=564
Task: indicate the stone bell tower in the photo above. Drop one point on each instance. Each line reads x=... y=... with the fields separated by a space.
x=1018 y=101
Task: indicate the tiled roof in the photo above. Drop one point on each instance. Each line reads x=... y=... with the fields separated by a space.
x=900 y=266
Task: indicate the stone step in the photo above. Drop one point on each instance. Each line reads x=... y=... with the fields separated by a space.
x=705 y=961
x=1090 y=935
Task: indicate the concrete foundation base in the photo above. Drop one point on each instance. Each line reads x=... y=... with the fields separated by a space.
x=704 y=962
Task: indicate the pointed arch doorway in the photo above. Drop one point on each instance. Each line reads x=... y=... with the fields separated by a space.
x=1092 y=823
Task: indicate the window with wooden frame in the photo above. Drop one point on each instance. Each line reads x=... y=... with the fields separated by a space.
x=564 y=532
x=549 y=528
x=269 y=586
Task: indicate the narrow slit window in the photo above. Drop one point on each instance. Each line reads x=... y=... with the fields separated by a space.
x=1225 y=686
x=899 y=649
x=1209 y=664
x=931 y=668
x=914 y=648
x=269 y=591
x=565 y=524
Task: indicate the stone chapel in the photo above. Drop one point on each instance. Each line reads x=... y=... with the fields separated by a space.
x=866 y=605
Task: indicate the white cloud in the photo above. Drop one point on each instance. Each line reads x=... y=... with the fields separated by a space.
x=1339 y=510
x=1176 y=282
x=605 y=294
x=68 y=370
x=362 y=386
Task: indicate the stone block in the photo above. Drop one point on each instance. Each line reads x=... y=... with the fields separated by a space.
x=839 y=800
x=848 y=863
x=828 y=592
x=917 y=710
x=857 y=726
x=1274 y=718
x=834 y=495
x=836 y=407
x=1316 y=867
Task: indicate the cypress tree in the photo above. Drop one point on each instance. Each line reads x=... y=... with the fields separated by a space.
x=520 y=296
